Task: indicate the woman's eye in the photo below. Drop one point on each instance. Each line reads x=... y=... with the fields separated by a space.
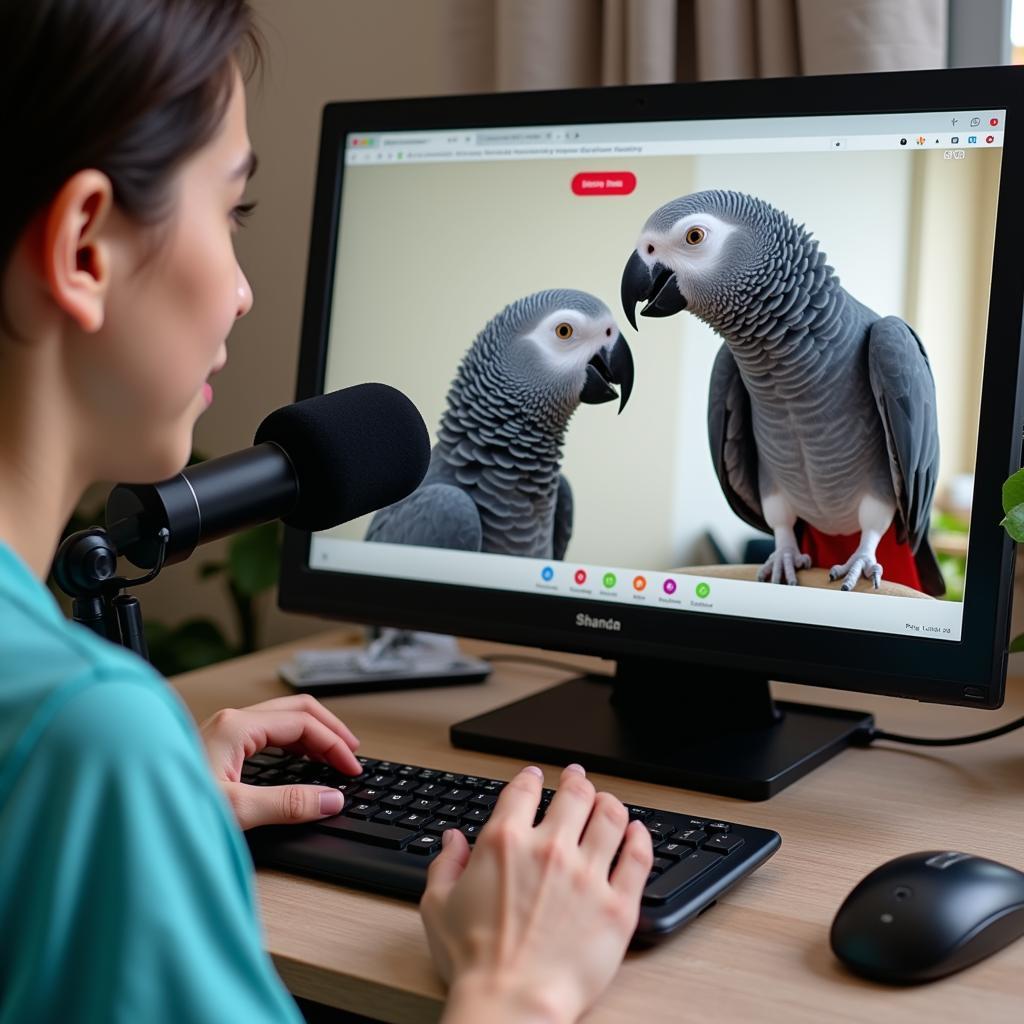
x=695 y=236
x=241 y=212
x=564 y=331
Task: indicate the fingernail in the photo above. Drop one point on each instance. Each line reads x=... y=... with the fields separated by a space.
x=446 y=837
x=331 y=802
x=575 y=768
x=536 y=771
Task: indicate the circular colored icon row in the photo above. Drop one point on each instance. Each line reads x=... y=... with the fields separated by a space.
x=609 y=580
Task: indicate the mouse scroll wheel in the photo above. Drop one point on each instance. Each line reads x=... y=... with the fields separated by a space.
x=945 y=860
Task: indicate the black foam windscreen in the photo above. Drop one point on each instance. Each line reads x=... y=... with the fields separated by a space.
x=354 y=451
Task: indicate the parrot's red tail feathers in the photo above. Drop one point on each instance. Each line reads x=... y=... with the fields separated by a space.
x=896 y=559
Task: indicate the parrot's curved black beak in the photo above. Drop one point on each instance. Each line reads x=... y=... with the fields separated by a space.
x=612 y=365
x=657 y=286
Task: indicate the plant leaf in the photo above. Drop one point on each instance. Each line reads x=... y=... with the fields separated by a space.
x=1013 y=491
x=1017 y=644
x=208 y=569
x=1014 y=523
x=253 y=559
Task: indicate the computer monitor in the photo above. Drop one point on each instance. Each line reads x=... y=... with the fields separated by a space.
x=827 y=366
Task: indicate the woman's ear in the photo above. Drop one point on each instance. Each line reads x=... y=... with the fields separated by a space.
x=76 y=250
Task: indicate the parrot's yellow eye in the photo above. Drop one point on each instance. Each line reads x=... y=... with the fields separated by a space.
x=695 y=236
x=564 y=331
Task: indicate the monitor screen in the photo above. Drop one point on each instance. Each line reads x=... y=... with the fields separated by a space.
x=799 y=403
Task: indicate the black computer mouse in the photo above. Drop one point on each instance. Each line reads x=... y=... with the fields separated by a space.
x=925 y=915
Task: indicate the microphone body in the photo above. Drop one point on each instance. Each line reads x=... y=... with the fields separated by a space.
x=315 y=464
x=202 y=503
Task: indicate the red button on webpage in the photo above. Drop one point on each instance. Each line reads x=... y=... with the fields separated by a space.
x=604 y=183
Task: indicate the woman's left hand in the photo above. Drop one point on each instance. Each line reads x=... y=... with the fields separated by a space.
x=299 y=724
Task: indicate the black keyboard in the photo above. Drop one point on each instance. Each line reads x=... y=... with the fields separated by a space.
x=390 y=829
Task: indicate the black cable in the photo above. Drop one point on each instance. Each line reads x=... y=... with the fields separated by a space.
x=952 y=741
x=874 y=734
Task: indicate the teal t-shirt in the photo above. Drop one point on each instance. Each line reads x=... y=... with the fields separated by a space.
x=126 y=889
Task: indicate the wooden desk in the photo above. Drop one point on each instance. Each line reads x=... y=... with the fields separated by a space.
x=760 y=955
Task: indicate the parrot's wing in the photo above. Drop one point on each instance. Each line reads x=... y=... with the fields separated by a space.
x=563 y=519
x=733 y=448
x=433 y=516
x=901 y=380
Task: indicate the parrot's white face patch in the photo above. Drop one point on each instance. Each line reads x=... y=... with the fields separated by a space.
x=691 y=248
x=569 y=339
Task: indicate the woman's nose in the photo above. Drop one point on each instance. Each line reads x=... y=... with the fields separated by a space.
x=244 y=295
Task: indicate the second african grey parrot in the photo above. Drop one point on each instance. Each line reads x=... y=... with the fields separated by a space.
x=822 y=415
x=495 y=483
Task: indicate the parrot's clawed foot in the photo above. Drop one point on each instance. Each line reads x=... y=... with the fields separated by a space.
x=858 y=564
x=782 y=566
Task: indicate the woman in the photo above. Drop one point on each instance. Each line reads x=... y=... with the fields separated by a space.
x=125 y=884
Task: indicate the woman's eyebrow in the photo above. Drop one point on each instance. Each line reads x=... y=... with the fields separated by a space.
x=247 y=168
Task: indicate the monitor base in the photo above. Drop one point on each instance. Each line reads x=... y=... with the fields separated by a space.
x=733 y=740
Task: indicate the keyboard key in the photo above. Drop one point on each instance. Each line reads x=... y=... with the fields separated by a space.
x=723 y=843
x=264 y=760
x=439 y=825
x=426 y=774
x=423 y=804
x=380 y=780
x=638 y=813
x=407 y=785
x=397 y=800
x=669 y=882
x=370 y=794
x=716 y=826
x=389 y=815
x=459 y=794
x=673 y=849
x=370 y=832
x=274 y=752
x=471 y=831
x=424 y=845
x=361 y=810
x=249 y=771
x=414 y=819
x=660 y=863
x=271 y=775
x=434 y=789
x=451 y=810
x=493 y=788
x=367 y=762
x=483 y=800
x=690 y=837
x=662 y=825
x=478 y=814
x=451 y=779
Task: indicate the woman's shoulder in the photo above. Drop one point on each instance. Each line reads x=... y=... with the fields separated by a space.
x=81 y=696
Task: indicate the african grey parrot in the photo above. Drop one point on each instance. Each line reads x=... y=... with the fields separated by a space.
x=821 y=414
x=494 y=483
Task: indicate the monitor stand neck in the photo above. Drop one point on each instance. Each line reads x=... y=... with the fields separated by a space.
x=677 y=723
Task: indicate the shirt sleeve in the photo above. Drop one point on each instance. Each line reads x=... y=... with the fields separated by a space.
x=132 y=886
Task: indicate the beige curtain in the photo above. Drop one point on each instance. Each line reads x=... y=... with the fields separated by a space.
x=550 y=44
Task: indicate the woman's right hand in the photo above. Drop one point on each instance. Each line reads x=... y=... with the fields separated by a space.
x=531 y=927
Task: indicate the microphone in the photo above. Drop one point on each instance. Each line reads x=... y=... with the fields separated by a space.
x=314 y=464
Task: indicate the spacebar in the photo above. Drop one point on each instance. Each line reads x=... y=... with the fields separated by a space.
x=368 y=831
x=665 y=886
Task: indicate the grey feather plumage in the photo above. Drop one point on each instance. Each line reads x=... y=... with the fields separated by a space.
x=813 y=394
x=499 y=446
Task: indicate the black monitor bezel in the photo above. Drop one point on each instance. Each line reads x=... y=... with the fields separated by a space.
x=967 y=672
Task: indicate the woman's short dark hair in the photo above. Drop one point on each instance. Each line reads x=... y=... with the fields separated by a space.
x=128 y=87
